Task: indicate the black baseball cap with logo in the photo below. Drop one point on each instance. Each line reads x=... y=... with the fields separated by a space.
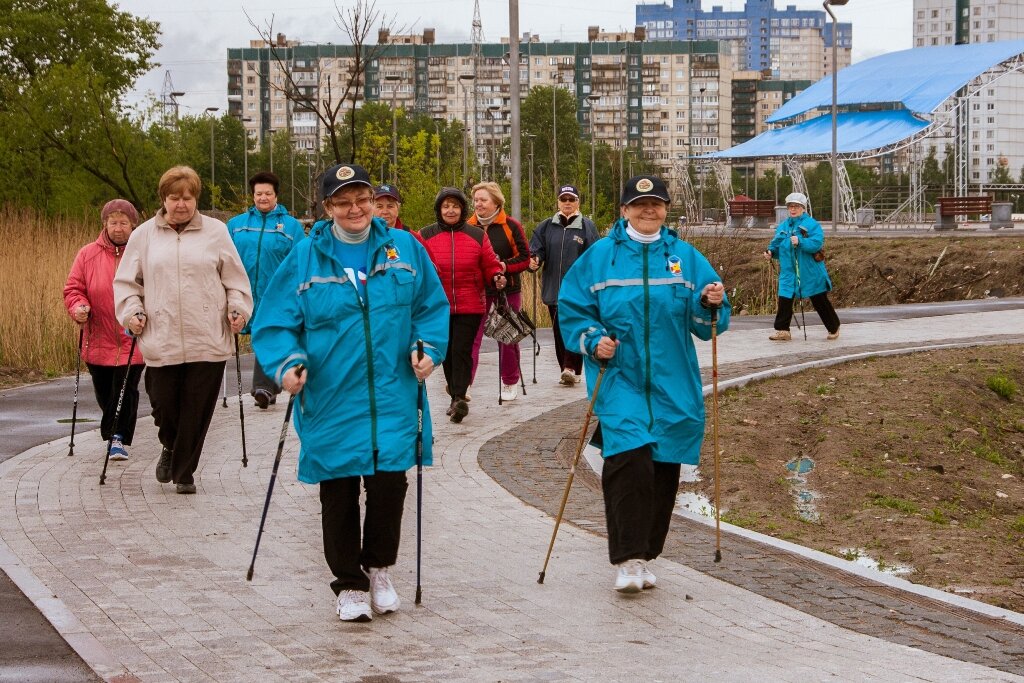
x=342 y=175
x=644 y=186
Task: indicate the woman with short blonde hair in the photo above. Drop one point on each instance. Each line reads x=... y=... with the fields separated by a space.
x=179 y=180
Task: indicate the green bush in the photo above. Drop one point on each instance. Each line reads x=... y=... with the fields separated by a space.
x=1002 y=385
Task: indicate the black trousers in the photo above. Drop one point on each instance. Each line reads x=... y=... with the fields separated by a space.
x=260 y=380
x=821 y=303
x=347 y=551
x=183 y=398
x=567 y=360
x=639 y=496
x=106 y=384
x=458 y=364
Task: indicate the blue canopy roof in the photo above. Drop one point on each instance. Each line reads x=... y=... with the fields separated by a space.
x=855 y=132
x=920 y=78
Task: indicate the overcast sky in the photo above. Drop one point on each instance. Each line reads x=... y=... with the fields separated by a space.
x=197 y=33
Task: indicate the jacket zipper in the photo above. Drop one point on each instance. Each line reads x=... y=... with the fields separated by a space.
x=647 y=342
x=181 y=326
x=365 y=307
x=455 y=306
x=259 y=245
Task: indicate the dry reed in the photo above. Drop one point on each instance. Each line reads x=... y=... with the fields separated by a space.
x=37 y=252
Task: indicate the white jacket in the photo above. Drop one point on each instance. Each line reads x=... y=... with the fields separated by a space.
x=185 y=283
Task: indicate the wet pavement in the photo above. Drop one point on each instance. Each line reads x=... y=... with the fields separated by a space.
x=149 y=585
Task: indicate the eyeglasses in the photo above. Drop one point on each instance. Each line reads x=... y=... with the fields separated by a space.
x=346 y=206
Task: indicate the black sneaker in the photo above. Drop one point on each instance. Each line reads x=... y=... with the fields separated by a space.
x=163 y=466
x=459 y=410
x=185 y=488
x=262 y=397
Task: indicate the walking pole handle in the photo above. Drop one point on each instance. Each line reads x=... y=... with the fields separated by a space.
x=419 y=349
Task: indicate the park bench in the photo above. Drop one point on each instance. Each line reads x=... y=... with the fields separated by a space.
x=948 y=208
x=751 y=213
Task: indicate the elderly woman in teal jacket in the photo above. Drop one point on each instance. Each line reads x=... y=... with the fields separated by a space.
x=349 y=305
x=635 y=300
x=798 y=244
x=263 y=236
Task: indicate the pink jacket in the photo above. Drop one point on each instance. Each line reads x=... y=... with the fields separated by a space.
x=91 y=283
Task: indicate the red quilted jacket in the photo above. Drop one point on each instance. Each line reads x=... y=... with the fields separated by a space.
x=464 y=260
x=91 y=282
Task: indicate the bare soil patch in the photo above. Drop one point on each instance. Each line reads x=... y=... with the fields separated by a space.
x=918 y=460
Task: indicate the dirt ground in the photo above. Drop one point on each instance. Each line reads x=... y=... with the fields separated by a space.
x=918 y=463
x=876 y=271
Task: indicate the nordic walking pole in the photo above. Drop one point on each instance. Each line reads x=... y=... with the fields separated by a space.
x=117 y=411
x=714 y=431
x=241 y=413
x=799 y=291
x=224 y=386
x=499 y=371
x=419 y=474
x=536 y=344
x=78 y=376
x=572 y=468
x=273 y=474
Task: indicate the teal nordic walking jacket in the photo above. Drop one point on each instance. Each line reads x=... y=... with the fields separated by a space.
x=357 y=412
x=813 y=278
x=262 y=241
x=649 y=296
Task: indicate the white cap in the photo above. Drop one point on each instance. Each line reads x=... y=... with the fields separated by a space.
x=797 y=198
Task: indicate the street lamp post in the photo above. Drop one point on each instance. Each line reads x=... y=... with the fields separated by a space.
x=592 y=99
x=291 y=162
x=531 y=136
x=270 y=137
x=437 y=131
x=464 y=79
x=625 y=123
x=835 y=157
x=554 y=128
x=245 y=153
x=393 y=80
x=700 y=120
x=494 y=113
x=213 y=177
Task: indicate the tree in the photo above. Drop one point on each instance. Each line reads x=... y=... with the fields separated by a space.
x=64 y=68
x=536 y=118
x=357 y=23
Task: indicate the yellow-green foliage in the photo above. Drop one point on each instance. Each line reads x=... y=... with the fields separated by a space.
x=37 y=252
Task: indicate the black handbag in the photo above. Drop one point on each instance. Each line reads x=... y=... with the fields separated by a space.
x=507 y=325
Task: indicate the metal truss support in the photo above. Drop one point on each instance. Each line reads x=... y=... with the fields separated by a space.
x=796 y=172
x=846 y=209
x=685 y=191
x=723 y=174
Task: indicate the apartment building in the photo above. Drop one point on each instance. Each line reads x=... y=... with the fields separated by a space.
x=995 y=125
x=791 y=44
x=663 y=99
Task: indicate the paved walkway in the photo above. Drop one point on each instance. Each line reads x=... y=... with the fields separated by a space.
x=149 y=585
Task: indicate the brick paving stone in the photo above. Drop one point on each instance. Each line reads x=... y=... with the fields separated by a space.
x=159 y=579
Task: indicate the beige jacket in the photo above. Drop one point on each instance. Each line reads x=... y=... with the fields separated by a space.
x=185 y=283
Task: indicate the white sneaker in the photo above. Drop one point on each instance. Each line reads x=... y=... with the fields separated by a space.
x=383 y=598
x=509 y=392
x=352 y=606
x=650 y=580
x=630 y=578
x=568 y=378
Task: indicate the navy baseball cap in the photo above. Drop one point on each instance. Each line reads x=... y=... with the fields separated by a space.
x=644 y=186
x=387 y=190
x=569 y=189
x=342 y=175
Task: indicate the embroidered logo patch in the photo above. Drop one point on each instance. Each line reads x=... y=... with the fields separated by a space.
x=675 y=266
x=391 y=252
x=345 y=172
x=644 y=185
